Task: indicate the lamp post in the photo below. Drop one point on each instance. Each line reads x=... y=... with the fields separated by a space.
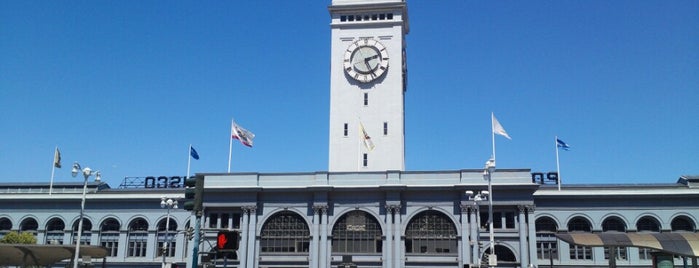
x=169 y=204
x=87 y=172
x=477 y=198
x=487 y=173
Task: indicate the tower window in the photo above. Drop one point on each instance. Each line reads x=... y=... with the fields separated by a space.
x=366 y=99
x=382 y=16
x=385 y=128
x=365 y=160
x=350 y=18
x=389 y=16
x=345 y=131
x=343 y=18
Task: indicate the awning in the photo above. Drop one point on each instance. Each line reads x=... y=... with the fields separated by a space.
x=677 y=243
x=30 y=254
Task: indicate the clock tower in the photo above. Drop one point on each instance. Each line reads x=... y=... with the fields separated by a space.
x=367 y=85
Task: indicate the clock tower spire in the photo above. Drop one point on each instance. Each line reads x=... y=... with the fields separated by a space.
x=367 y=85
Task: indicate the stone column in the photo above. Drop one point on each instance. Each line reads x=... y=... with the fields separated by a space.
x=243 y=246
x=252 y=227
x=532 y=234
x=475 y=235
x=315 y=247
x=388 y=253
x=398 y=244
x=465 y=251
x=324 y=246
x=523 y=244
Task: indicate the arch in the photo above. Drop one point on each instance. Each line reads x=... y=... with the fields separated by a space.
x=55 y=228
x=682 y=223
x=504 y=253
x=137 y=237
x=287 y=232
x=272 y=213
x=546 y=224
x=357 y=232
x=579 y=224
x=5 y=224
x=112 y=218
x=86 y=235
x=29 y=224
x=431 y=232
x=109 y=235
x=166 y=238
x=334 y=220
x=648 y=224
x=614 y=224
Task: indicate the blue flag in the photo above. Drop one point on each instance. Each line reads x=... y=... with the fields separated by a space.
x=193 y=153
x=561 y=144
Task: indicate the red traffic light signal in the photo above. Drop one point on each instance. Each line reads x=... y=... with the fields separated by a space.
x=227 y=240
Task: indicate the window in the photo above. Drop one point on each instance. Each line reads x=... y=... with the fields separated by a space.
x=29 y=225
x=166 y=239
x=648 y=224
x=86 y=235
x=357 y=232
x=137 y=238
x=343 y=18
x=285 y=232
x=614 y=224
x=546 y=246
x=5 y=226
x=346 y=130
x=365 y=160
x=54 y=231
x=385 y=128
x=213 y=220
x=109 y=236
x=580 y=224
x=431 y=232
x=366 y=99
x=389 y=16
x=682 y=223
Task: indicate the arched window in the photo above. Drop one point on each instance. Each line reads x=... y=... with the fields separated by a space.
x=137 y=238
x=682 y=223
x=29 y=225
x=504 y=255
x=109 y=236
x=648 y=224
x=431 y=232
x=166 y=238
x=357 y=232
x=613 y=224
x=285 y=232
x=55 y=229
x=546 y=242
x=580 y=224
x=86 y=233
x=5 y=226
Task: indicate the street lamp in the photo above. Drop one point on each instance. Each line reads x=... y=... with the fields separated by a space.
x=87 y=172
x=476 y=199
x=169 y=204
x=487 y=174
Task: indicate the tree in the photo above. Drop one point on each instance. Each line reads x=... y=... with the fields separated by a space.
x=18 y=238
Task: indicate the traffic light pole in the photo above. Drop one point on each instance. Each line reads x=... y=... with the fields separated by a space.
x=195 y=249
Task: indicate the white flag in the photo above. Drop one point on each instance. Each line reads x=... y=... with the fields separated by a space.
x=243 y=135
x=498 y=129
x=365 y=138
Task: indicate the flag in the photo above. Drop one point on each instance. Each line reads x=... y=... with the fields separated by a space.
x=243 y=135
x=498 y=129
x=193 y=153
x=561 y=144
x=365 y=138
x=57 y=158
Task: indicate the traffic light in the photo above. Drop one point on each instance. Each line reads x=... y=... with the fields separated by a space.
x=227 y=244
x=194 y=193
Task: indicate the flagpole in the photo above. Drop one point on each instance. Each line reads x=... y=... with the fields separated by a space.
x=189 y=159
x=230 y=147
x=492 y=131
x=558 y=167
x=53 y=170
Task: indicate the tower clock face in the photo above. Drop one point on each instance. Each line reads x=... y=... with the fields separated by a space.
x=365 y=60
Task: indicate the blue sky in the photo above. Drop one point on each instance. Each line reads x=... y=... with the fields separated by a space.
x=125 y=86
